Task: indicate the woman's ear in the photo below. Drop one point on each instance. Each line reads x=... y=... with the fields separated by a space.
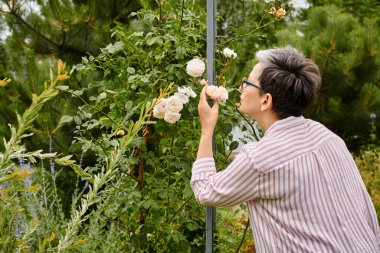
x=266 y=102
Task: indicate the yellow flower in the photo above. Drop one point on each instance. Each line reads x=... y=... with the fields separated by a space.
x=120 y=132
x=4 y=82
x=52 y=236
x=272 y=10
x=280 y=13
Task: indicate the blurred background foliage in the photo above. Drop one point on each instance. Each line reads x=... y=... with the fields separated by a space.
x=346 y=49
x=40 y=33
x=342 y=37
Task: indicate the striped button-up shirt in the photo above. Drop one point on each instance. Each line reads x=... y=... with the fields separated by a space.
x=303 y=191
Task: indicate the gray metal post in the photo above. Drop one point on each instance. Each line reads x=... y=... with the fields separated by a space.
x=211 y=35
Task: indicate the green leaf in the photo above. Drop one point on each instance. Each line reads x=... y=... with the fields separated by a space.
x=180 y=52
x=234 y=145
x=102 y=95
x=105 y=121
x=145 y=79
x=64 y=161
x=66 y=119
x=138 y=34
x=63 y=87
x=114 y=143
x=151 y=41
x=227 y=128
x=128 y=105
x=82 y=173
x=131 y=70
x=77 y=120
x=78 y=92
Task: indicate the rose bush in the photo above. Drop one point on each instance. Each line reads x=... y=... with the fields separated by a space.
x=134 y=141
x=154 y=199
x=153 y=203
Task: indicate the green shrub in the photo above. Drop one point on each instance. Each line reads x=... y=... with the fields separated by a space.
x=368 y=162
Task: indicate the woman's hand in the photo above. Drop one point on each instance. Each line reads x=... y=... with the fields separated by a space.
x=208 y=116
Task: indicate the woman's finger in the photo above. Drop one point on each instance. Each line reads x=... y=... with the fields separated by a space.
x=215 y=106
x=203 y=96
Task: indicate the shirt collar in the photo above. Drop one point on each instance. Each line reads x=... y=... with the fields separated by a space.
x=286 y=123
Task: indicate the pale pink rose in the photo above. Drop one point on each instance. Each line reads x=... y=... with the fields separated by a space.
x=195 y=67
x=159 y=112
x=159 y=109
x=203 y=82
x=280 y=13
x=162 y=102
x=223 y=94
x=173 y=104
x=172 y=117
x=213 y=92
x=184 y=99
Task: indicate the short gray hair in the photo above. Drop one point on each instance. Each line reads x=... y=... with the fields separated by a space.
x=268 y=56
x=291 y=79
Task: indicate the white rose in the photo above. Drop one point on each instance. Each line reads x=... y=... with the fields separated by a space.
x=187 y=91
x=223 y=94
x=184 y=90
x=159 y=109
x=195 y=67
x=172 y=117
x=173 y=104
x=229 y=53
x=184 y=99
x=213 y=92
x=192 y=93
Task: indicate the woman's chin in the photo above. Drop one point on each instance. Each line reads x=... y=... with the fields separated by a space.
x=244 y=111
x=240 y=107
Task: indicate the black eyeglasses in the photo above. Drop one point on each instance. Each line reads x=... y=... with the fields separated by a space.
x=245 y=83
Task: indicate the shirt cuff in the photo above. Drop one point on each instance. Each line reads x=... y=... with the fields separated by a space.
x=203 y=168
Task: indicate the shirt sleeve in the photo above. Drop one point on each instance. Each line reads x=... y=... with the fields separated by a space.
x=238 y=183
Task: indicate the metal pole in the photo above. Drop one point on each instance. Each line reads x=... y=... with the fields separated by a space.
x=211 y=35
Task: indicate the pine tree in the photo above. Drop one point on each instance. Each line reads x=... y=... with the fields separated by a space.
x=348 y=54
x=361 y=9
x=66 y=29
x=41 y=32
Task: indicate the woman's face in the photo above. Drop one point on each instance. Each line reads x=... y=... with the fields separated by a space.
x=250 y=103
